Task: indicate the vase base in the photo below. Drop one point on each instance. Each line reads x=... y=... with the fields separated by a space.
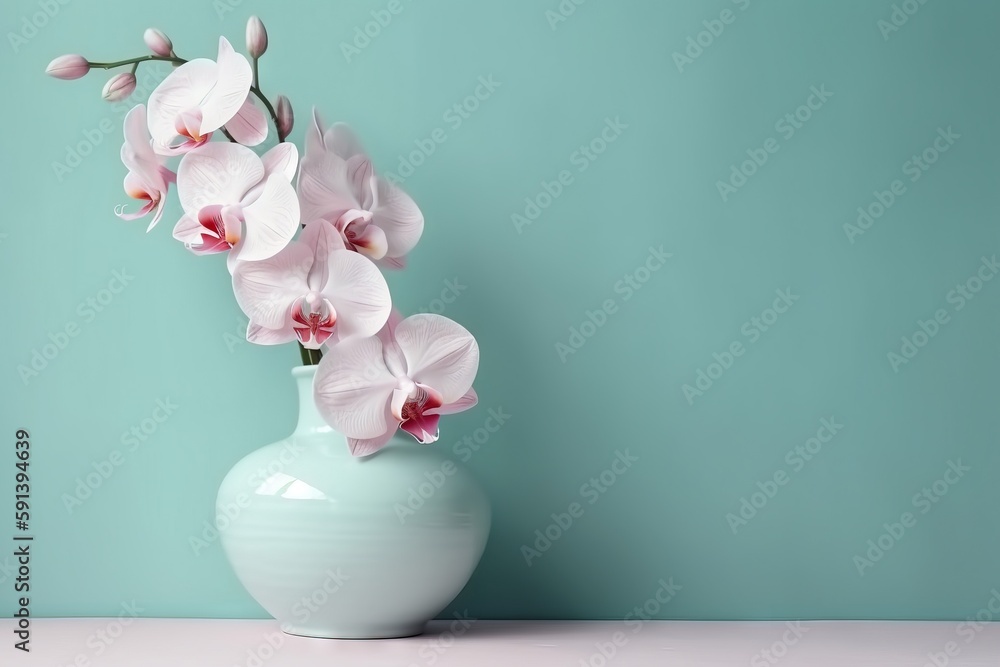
x=376 y=632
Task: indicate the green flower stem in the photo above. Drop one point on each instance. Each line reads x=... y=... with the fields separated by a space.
x=270 y=109
x=310 y=357
x=136 y=61
x=255 y=89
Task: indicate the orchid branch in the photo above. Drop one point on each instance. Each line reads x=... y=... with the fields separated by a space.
x=136 y=61
x=256 y=47
x=255 y=89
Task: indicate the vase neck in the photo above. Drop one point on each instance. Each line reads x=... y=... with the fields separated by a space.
x=310 y=420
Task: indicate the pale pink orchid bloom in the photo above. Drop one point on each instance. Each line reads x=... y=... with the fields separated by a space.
x=411 y=373
x=237 y=202
x=315 y=291
x=201 y=96
x=148 y=177
x=338 y=184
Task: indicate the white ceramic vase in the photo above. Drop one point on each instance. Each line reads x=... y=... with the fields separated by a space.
x=343 y=547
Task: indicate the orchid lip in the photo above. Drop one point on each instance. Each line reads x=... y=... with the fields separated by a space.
x=352 y=216
x=318 y=325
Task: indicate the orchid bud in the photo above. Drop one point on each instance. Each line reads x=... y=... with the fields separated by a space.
x=256 y=37
x=68 y=67
x=119 y=87
x=158 y=42
x=285 y=116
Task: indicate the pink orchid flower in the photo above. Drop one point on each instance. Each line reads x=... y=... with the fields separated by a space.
x=314 y=290
x=201 y=96
x=148 y=177
x=406 y=377
x=237 y=202
x=338 y=184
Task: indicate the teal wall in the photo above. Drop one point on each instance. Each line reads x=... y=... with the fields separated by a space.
x=832 y=300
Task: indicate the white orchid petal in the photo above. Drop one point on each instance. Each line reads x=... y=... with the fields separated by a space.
x=271 y=221
x=322 y=238
x=439 y=353
x=323 y=187
x=371 y=242
x=249 y=125
x=233 y=257
x=340 y=139
x=148 y=178
x=265 y=290
x=282 y=159
x=394 y=359
x=314 y=135
x=217 y=173
x=352 y=389
x=358 y=292
x=392 y=263
x=234 y=76
x=368 y=446
x=399 y=217
x=137 y=152
x=260 y=335
x=361 y=179
x=188 y=229
x=396 y=403
x=182 y=90
x=468 y=400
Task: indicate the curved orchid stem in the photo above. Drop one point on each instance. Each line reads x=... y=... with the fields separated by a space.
x=136 y=61
x=255 y=89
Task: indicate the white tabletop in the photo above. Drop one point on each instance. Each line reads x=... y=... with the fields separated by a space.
x=102 y=642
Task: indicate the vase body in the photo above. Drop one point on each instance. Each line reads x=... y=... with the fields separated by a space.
x=337 y=546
